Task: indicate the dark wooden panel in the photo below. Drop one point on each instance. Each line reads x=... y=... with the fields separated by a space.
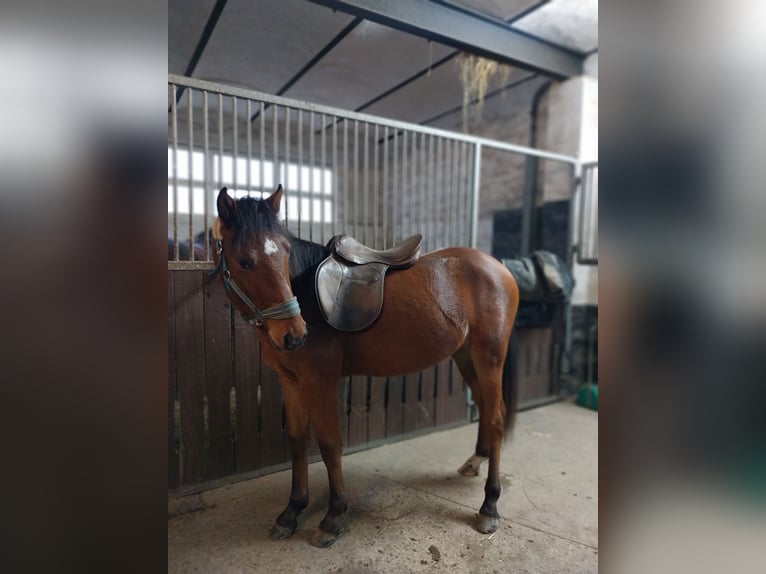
x=376 y=414
x=357 y=412
x=426 y=404
x=410 y=408
x=442 y=392
x=190 y=372
x=247 y=378
x=273 y=435
x=458 y=408
x=219 y=379
x=173 y=446
x=394 y=406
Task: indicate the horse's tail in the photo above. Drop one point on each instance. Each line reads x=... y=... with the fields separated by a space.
x=510 y=386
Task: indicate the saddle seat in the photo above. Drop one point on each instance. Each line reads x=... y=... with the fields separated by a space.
x=403 y=255
x=349 y=283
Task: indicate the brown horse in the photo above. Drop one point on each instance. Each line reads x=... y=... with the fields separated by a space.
x=456 y=302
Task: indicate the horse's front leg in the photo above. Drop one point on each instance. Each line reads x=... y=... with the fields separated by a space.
x=299 y=436
x=326 y=423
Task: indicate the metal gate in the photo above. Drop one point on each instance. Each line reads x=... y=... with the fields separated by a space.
x=378 y=180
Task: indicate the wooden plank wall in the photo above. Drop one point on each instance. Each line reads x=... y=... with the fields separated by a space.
x=225 y=412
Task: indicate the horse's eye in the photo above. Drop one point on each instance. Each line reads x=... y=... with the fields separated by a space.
x=245 y=264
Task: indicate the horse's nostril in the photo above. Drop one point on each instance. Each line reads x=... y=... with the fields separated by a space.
x=292 y=343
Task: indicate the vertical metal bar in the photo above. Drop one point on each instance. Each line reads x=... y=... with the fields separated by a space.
x=275 y=157
x=262 y=142
x=366 y=210
x=466 y=194
x=354 y=198
x=439 y=199
x=234 y=148
x=447 y=191
x=433 y=204
x=288 y=183
x=375 y=194
x=220 y=141
x=207 y=164
x=248 y=167
x=322 y=190
x=394 y=179
x=174 y=129
x=299 y=185
x=566 y=356
x=312 y=168
x=385 y=187
x=190 y=165
x=475 y=193
x=345 y=176
x=413 y=185
x=404 y=193
x=336 y=187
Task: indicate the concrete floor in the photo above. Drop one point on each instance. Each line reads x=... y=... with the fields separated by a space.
x=407 y=497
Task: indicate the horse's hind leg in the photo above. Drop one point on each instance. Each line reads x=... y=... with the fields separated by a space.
x=464 y=363
x=486 y=384
x=299 y=435
x=326 y=423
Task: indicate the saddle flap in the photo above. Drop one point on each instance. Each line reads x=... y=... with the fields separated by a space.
x=350 y=296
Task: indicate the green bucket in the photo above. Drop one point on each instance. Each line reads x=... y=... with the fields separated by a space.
x=587 y=396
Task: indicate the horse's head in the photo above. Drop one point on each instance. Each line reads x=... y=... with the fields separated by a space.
x=253 y=254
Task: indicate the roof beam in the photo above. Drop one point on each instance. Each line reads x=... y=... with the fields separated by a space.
x=441 y=23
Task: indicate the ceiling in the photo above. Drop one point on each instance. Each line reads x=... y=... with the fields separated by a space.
x=305 y=50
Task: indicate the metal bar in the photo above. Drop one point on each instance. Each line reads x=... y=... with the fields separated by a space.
x=262 y=141
x=394 y=124
x=235 y=138
x=207 y=164
x=366 y=198
x=394 y=178
x=448 y=184
x=353 y=203
x=404 y=194
x=385 y=187
x=312 y=167
x=494 y=40
x=174 y=135
x=375 y=192
x=336 y=187
x=475 y=193
x=190 y=166
x=414 y=185
x=286 y=176
x=431 y=245
x=220 y=141
x=248 y=167
x=299 y=187
x=275 y=156
x=439 y=197
x=345 y=178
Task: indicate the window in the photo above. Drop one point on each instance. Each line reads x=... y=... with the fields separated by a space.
x=308 y=188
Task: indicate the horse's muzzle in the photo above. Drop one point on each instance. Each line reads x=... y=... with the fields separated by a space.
x=291 y=343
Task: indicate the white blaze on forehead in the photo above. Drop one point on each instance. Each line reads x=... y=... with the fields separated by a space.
x=269 y=247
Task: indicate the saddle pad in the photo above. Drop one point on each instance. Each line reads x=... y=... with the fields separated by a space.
x=350 y=296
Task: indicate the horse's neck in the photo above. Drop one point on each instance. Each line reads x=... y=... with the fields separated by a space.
x=305 y=257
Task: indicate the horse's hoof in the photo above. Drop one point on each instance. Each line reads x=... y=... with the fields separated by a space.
x=322 y=539
x=487 y=524
x=281 y=532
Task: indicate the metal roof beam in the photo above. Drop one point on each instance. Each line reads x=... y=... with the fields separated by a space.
x=441 y=23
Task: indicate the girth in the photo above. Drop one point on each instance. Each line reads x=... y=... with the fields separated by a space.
x=350 y=282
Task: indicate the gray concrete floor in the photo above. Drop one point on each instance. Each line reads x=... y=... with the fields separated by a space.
x=405 y=498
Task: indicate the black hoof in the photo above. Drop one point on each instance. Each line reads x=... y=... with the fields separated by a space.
x=487 y=524
x=281 y=532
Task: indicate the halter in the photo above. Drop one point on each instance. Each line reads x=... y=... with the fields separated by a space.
x=286 y=310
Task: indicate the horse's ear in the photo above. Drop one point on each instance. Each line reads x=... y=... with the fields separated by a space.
x=275 y=199
x=227 y=207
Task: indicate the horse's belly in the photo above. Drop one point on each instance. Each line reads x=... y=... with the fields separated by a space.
x=419 y=326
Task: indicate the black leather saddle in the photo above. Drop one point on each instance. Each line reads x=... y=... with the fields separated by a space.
x=350 y=282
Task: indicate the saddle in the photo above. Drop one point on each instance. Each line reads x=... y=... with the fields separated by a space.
x=349 y=283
